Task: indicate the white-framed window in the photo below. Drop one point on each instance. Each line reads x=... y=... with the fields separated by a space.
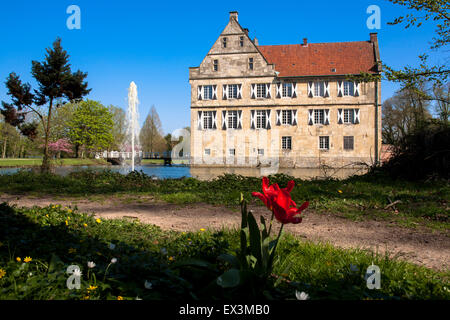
x=324 y=143
x=287 y=90
x=286 y=117
x=224 y=42
x=208 y=119
x=216 y=65
x=232 y=119
x=348 y=142
x=260 y=152
x=348 y=88
x=319 y=89
x=261 y=119
x=232 y=152
x=207 y=92
x=207 y=152
x=286 y=143
x=250 y=63
x=232 y=91
x=348 y=115
x=319 y=116
x=260 y=90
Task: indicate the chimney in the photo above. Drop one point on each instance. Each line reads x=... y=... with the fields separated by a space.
x=373 y=37
x=305 y=42
x=234 y=14
x=255 y=41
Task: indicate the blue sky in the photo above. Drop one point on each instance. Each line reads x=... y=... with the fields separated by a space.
x=154 y=43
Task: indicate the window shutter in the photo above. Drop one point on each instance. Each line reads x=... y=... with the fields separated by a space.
x=200 y=120
x=214 y=92
x=214 y=124
x=200 y=92
x=239 y=93
x=294 y=117
x=239 y=119
x=278 y=120
x=310 y=89
x=310 y=117
x=224 y=120
x=268 y=119
x=252 y=91
x=327 y=89
x=340 y=121
x=268 y=95
x=278 y=89
x=327 y=116
x=294 y=90
x=252 y=119
x=340 y=83
x=224 y=92
x=356 y=116
x=356 y=88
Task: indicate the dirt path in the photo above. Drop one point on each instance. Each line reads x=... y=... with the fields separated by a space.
x=422 y=247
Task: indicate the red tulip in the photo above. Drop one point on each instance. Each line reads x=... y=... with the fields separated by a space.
x=279 y=201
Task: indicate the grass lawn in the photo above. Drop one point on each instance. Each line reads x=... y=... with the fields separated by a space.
x=360 y=197
x=39 y=244
x=37 y=162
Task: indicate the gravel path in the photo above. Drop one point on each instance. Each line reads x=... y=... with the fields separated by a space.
x=420 y=246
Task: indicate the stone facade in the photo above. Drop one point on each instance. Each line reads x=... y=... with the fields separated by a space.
x=241 y=62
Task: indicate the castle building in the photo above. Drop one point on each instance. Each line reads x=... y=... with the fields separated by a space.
x=289 y=106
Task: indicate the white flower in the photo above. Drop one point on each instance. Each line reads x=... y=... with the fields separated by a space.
x=301 y=295
x=91 y=264
x=30 y=274
x=112 y=246
x=148 y=284
x=137 y=298
x=113 y=260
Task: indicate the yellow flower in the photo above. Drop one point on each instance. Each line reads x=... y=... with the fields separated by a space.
x=340 y=191
x=27 y=259
x=67 y=223
x=18 y=259
x=46 y=215
x=69 y=211
x=2 y=273
x=86 y=298
x=68 y=218
x=170 y=258
x=92 y=288
x=202 y=229
x=98 y=220
x=119 y=298
x=72 y=250
x=189 y=239
x=85 y=225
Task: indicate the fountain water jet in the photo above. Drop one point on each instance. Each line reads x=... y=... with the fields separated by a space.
x=132 y=123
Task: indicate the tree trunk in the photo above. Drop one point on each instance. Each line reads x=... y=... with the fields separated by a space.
x=4 y=147
x=45 y=168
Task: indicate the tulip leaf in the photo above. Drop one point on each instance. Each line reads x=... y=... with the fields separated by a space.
x=229 y=279
x=264 y=228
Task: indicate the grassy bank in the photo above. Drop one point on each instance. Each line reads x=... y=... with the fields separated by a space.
x=360 y=197
x=64 y=162
x=40 y=243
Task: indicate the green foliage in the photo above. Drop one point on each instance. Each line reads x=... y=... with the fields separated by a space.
x=91 y=126
x=180 y=266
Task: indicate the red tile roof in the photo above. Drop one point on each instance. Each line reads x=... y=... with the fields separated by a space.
x=317 y=59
